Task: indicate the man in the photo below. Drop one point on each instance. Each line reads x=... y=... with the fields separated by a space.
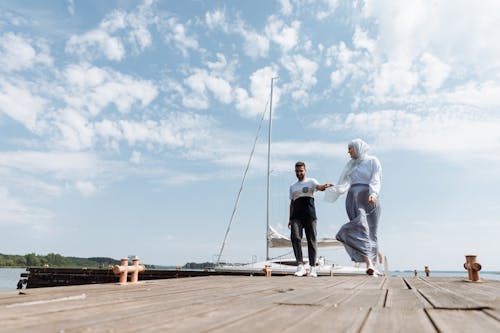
x=303 y=217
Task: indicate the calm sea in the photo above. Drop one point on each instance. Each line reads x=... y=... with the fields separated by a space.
x=10 y=276
x=460 y=274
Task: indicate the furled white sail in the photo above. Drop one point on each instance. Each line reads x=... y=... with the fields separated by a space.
x=277 y=240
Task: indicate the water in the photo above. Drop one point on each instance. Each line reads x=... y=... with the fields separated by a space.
x=458 y=274
x=9 y=277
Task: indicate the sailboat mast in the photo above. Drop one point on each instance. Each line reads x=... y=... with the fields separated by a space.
x=269 y=164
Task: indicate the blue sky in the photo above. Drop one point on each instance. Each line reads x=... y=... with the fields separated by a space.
x=126 y=126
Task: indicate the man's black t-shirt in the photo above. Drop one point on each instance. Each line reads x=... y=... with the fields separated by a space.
x=302 y=196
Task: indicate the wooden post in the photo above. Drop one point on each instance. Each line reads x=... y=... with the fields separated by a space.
x=472 y=267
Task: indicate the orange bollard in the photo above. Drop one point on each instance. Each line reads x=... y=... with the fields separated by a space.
x=124 y=269
x=268 y=270
x=472 y=267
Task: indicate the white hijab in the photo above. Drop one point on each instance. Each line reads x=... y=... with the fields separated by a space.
x=360 y=153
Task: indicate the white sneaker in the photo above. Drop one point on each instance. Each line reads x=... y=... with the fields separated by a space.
x=313 y=272
x=301 y=271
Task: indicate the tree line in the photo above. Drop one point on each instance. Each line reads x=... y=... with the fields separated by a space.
x=54 y=260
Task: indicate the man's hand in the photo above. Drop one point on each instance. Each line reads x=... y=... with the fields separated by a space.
x=289 y=224
x=323 y=187
x=372 y=199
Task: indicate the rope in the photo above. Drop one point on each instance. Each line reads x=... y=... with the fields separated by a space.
x=242 y=183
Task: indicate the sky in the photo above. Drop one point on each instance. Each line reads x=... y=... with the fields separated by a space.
x=126 y=126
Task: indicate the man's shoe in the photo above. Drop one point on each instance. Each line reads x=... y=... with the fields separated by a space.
x=301 y=271
x=313 y=272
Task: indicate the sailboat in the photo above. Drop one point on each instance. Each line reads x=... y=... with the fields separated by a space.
x=281 y=265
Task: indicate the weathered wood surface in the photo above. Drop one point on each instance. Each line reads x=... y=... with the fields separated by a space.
x=249 y=304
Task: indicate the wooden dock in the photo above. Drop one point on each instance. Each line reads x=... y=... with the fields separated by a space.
x=258 y=304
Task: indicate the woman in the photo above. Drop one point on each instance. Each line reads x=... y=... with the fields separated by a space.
x=361 y=179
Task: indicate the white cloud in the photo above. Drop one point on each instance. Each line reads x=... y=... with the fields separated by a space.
x=14 y=212
x=94 y=89
x=71 y=7
x=286 y=7
x=287 y=36
x=256 y=45
x=452 y=131
x=21 y=53
x=138 y=23
x=303 y=76
x=216 y=19
x=480 y=95
x=177 y=34
x=200 y=82
x=362 y=41
x=221 y=67
x=394 y=79
x=434 y=72
x=253 y=104
x=95 y=41
x=61 y=165
x=136 y=157
x=197 y=98
x=448 y=39
x=17 y=101
x=77 y=133
x=86 y=188
x=108 y=39
x=176 y=130
x=180 y=178
x=330 y=7
x=217 y=82
x=276 y=30
x=349 y=64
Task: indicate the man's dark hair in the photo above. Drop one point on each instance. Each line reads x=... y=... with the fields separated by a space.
x=300 y=164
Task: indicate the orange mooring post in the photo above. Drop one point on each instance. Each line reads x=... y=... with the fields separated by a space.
x=124 y=269
x=472 y=267
x=268 y=270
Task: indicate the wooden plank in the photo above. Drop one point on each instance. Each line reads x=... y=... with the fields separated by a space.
x=373 y=283
x=392 y=282
x=416 y=283
x=329 y=319
x=495 y=313
x=351 y=282
x=405 y=299
x=397 y=320
x=271 y=320
x=463 y=321
x=444 y=299
x=365 y=298
x=438 y=296
x=485 y=293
